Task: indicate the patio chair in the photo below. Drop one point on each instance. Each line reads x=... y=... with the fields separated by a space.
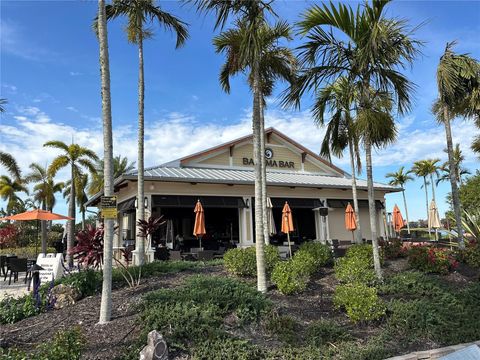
x=7 y=264
x=16 y=266
x=205 y=255
x=175 y=255
x=196 y=250
x=3 y=264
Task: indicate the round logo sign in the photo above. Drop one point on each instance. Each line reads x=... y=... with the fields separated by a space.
x=268 y=153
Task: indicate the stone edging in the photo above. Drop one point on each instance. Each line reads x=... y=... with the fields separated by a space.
x=434 y=353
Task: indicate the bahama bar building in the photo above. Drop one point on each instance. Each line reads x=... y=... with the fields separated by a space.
x=222 y=178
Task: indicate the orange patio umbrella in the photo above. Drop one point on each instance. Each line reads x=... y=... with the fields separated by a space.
x=199 y=227
x=350 y=220
x=287 y=224
x=398 y=222
x=36 y=214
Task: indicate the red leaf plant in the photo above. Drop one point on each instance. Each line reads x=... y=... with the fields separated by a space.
x=89 y=250
x=8 y=235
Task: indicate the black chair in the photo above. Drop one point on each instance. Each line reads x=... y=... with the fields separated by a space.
x=3 y=264
x=16 y=266
x=7 y=265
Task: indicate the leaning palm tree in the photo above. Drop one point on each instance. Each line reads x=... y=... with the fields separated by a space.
x=458 y=82
x=77 y=158
x=8 y=191
x=142 y=15
x=250 y=39
x=400 y=178
x=9 y=162
x=108 y=176
x=44 y=193
x=81 y=198
x=121 y=165
x=369 y=49
x=337 y=101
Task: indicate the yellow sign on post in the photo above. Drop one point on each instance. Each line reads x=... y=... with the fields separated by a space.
x=108 y=206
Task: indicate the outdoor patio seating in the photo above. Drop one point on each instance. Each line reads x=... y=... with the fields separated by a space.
x=16 y=266
x=3 y=264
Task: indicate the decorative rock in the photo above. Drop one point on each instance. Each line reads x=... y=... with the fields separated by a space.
x=156 y=348
x=65 y=295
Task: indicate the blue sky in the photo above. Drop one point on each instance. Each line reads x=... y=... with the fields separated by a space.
x=50 y=76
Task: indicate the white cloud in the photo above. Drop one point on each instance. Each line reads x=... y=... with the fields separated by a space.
x=12 y=89
x=71 y=108
x=75 y=73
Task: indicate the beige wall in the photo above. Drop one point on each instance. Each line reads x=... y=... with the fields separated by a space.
x=336 y=223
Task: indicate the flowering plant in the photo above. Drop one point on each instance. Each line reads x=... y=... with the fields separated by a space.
x=432 y=260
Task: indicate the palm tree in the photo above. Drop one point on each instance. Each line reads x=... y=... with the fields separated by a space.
x=108 y=175
x=141 y=15
x=78 y=158
x=426 y=168
x=400 y=178
x=337 y=101
x=460 y=171
x=120 y=166
x=458 y=82
x=9 y=162
x=45 y=189
x=8 y=191
x=81 y=197
x=249 y=43
x=369 y=49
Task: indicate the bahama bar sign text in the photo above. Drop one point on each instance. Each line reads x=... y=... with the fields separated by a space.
x=272 y=163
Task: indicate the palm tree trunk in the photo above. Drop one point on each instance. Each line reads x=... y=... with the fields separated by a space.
x=43 y=225
x=266 y=230
x=406 y=210
x=83 y=217
x=106 y=302
x=140 y=243
x=426 y=202
x=259 y=231
x=433 y=187
x=372 y=210
x=453 y=181
x=358 y=239
x=71 y=223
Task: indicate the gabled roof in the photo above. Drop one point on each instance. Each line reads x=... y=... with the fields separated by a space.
x=185 y=160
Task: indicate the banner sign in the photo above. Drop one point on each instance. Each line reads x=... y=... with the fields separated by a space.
x=108 y=205
x=52 y=267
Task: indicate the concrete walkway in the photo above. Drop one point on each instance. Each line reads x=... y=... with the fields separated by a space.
x=15 y=289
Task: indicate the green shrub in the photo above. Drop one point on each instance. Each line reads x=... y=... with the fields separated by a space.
x=87 y=282
x=471 y=254
x=321 y=253
x=290 y=277
x=354 y=269
x=393 y=249
x=362 y=252
x=227 y=349
x=360 y=301
x=375 y=348
x=431 y=260
x=285 y=328
x=411 y=283
x=322 y=332
x=243 y=261
x=305 y=262
x=296 y=353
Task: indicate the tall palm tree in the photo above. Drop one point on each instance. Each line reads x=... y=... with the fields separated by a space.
x=426 y=168
x=77 y=158
x=108 y=175
x=9 y=162
x=400 y=178
x=369 y=49
x=8 y=191
x=45 y=189
x=458 y=82
x=81 y=198
x=141 y=15
x=337 y=101
x=460 y=171
x=249 y=40
x=121 y=165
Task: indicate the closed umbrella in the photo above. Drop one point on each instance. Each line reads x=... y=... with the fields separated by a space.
x=271 y=222
x=169 y=238
x=433 y=218
x=398 y=222
x=350 y=220
x=199 y=228
x=36 y=214
x=287 y=224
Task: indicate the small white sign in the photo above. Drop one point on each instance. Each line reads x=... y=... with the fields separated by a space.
x=52 y=265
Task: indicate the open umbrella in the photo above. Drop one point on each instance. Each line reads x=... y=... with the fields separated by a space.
x=199 y=227
x=287 y=224
x=398 y=222
x=433 y=218
x=36 y=214
x=350 y=220
x=271 y=222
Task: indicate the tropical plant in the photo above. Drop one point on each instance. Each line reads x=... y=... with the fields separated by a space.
x=458 y=82
x=81 y=197
x=89 y=249
x=400 y=178
x=45 y=189
x=108 y=176
x=368 y=49
x=460 y=171
x=8 y=192
x=78 y=158
x=142 y=14
x=9 y=162
x=121 y=165
x=471 y=223
x=427 y=168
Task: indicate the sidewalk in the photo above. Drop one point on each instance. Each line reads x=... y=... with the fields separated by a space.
x=15 y=289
